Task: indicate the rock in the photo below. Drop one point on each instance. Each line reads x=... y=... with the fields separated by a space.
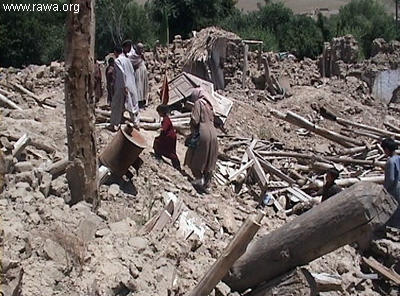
x=102 y=213
x=113 y=190
x=138 y=243
x=25 y=177
x=45 y=183
x=56 y=67
x=103 y=232
x=88 y=227
x=134 y=271
x=55 y=252
x=35 y=218
x=222 y=289
x=228 y=220
x=23 y=166
x=121 y=227
x=58 y=187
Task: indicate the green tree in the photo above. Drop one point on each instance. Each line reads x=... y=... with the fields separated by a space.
x=366 y=20
x=184 y=16
x=29 y=37
x=117 y=20
x=301 y=36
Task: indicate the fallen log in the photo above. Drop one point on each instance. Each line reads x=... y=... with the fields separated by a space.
x=392 y=127
x=379 y=138
x=384 y=133
x=328 y=134
x=58 y=168
x=9 y=103
x=299 y=280
x=354 y=214
x=38 y=100
x=232 y=252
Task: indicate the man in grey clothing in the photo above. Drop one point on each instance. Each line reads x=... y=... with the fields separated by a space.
x=392 y=175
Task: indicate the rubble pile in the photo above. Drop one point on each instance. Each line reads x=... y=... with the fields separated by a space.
x=154 y=234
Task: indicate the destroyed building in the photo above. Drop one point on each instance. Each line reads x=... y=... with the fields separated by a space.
x=157 y=236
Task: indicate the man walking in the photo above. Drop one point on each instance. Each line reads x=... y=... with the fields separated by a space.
x=125 y=92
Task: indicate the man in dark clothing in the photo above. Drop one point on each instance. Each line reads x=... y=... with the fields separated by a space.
x=110 y=78
x=330 y=188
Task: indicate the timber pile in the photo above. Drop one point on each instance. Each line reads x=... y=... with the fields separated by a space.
x=287 y=177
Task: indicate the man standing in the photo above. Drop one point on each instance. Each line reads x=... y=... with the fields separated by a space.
x=392 y=175
x=125 y=92
x=137 y=59
x=98 y=87
x=110 y=79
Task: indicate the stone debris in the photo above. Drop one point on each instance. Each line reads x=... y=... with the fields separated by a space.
x=52 y=248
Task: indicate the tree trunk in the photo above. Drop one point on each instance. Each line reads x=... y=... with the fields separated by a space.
x=350 y=216
x=79 y=104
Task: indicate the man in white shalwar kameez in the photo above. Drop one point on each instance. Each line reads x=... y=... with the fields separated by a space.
x=125 y=91
x=141 y=75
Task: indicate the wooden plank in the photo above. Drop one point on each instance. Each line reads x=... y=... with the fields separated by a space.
x=297 y=194
x=382 y=270
x=262 y=178
x=327 y=282
x=241 y=170
x=273 y=170
x=20 y=145
x=9 y=103
x=232 y=252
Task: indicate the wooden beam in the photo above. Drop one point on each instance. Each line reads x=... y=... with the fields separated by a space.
x=381 y=132
x=273 y=170
x=345 y=160
x=382 y=270
x=38 y=100
x=232 y=252
x=9 y=103
x=20 y=145
x=323 y=132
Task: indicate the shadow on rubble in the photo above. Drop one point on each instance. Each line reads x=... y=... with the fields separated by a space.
x=125 y=183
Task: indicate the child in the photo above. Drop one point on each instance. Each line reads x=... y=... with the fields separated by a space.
x=165 y=143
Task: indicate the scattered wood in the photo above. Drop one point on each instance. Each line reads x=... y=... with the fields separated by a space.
x=382 y=270
x=36 y=144
x=240 y=171
x=232 y=252
x=383 y=133
x=299 y=280
x=346 y=160
x=38 y=100
x=9 y=103
x=328 y=134
x=20 y=145
x=327 y=282
x=352 y=215
x=274 y=171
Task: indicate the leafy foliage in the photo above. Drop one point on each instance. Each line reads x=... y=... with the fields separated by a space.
x=27 y=37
